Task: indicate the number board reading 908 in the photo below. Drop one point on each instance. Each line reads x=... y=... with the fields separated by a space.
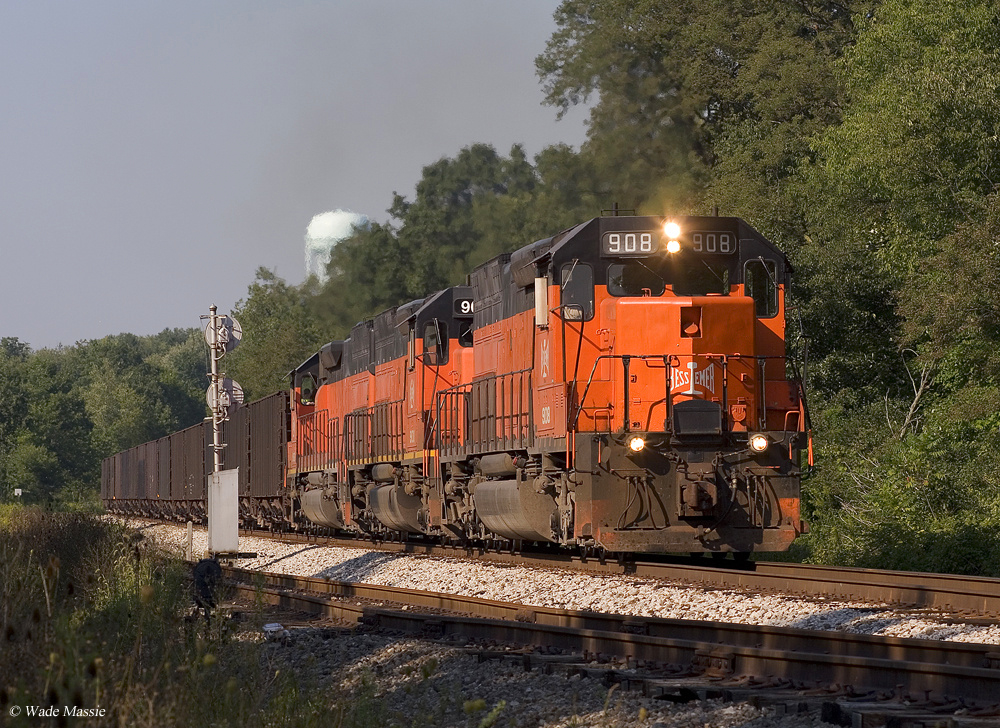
x=624 y=244
x=722 y=243
x=464 y=307
x=637 y=243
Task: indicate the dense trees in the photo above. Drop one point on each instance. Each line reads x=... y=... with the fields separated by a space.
x=701 y=103
x=280 y=332
x=465 y=211
x=62 y=410
x=897 y=287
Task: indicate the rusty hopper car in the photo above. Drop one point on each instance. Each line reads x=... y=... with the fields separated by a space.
x=167 y=478
x=621 y=386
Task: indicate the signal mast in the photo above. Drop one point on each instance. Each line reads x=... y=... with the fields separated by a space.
x=223 y=334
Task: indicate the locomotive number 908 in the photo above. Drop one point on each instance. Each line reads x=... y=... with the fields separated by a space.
x=620 y=244
x=706 y=242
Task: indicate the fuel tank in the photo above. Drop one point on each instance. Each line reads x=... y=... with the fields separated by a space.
x=394 y=509
x=516 y=511
x=321 y=510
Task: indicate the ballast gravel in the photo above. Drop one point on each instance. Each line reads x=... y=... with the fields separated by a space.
x=407 y=682
x=568 y=590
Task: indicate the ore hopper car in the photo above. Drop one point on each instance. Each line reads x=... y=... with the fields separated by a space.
x=167 y=478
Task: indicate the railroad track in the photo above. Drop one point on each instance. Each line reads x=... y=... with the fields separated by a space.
x=940 y=594
x=664 y=656
x=945 y=597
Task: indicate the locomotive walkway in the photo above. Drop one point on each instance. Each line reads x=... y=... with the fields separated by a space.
x=850 y=674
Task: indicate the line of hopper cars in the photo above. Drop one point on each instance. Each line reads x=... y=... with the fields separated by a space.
x=621 y=386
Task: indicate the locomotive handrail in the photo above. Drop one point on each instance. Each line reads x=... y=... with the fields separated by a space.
x=593 y=370
x=373 y=432
x=500 y=420
x=723 y=359
x=314 y=430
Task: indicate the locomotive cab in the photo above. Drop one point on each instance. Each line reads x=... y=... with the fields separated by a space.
x=687 y=428
x=312 y=458
x=437 y=335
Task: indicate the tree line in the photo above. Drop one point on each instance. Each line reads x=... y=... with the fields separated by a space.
x=860 y=136
x=63 y=410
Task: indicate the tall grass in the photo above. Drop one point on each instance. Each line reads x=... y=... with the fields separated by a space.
x=93 y=617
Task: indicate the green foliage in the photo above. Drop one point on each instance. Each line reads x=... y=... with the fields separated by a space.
x=916 y=155
x=466 y=210
x=926 y=501
x=132 y=398
x=899 y=276
x=846 y=302
x=96 y=618
x=710 y=101
x=63 y=410
x=372 y=266
x=918 y=148
x=951 y=308
x=280 y=331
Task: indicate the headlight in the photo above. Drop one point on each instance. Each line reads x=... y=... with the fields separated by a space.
x=759 y=442
x=636 y=444
x=672 y=230
x=673 y=246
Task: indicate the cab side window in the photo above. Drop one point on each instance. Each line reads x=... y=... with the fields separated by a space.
x=759 y=283
x=577 y=287
x=436 y=342
x=307 y=390
x=465 y=333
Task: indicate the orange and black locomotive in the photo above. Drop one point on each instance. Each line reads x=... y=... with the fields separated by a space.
x=623 y=386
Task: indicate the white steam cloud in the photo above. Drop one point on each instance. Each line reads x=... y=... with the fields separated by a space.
x=326 y=230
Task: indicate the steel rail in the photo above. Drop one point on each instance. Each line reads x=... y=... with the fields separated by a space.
x=950 y=670
x=947 y=593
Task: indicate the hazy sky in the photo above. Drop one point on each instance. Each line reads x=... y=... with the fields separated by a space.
x=154 y=154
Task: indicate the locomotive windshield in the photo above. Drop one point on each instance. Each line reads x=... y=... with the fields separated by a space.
x=686 y=277
x=699 y=277
x=634 y=279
